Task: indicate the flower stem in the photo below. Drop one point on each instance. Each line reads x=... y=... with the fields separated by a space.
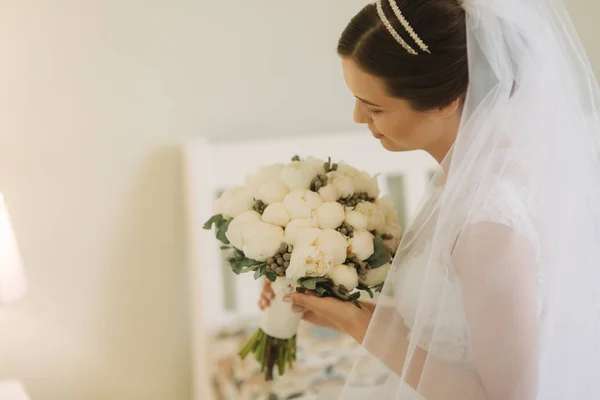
x=270 y=352
x=270 y=358
x=249 y=346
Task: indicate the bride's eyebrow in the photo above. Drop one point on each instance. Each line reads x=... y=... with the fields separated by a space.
x=367 y=102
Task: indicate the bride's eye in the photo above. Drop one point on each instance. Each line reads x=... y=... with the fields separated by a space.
x=374 y=112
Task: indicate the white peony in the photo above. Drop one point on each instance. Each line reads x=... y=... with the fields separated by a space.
x=301 y=203
x=387 y=207
x=276 y=214
x=375 y=276
x=272 y=191
x=356 y=219
x=262 y=240
x=264 y=174
x=316 y=164
x=299 y=223
x=361 y=244
x=347 y=169
x=363 y=182
x=235 y=230
x=308 y=261
x=293 y=228
x=298 y=175
x=330 y=215
x=334 y=244
x=304 y=237
x=329 y=193
x=367 y=183
x=375 y=217
x=343 y=183
x=372 y=186
x=234 y=201
x=343 y=275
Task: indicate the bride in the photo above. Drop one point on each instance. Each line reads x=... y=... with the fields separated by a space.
x=495 y=291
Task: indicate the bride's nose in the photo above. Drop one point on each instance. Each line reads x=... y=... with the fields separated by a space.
x=360 y=114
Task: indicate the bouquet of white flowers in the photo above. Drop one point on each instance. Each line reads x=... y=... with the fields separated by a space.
x=307 y=225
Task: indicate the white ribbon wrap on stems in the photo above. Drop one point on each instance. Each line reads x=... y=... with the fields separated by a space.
x=279 y=321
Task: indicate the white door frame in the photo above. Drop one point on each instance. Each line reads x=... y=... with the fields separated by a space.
x=209 y=166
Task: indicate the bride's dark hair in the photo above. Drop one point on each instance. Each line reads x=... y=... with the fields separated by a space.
x=427 y=81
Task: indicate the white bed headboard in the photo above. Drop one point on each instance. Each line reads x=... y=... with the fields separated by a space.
x=217 y=296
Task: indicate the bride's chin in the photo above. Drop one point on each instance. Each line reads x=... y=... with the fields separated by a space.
x=391 y=146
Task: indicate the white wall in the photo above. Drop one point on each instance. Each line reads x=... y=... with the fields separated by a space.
x=95 y=97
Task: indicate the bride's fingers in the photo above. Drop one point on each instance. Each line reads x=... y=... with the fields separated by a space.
x=316 y=319
x=264 y=302
x=267 y=291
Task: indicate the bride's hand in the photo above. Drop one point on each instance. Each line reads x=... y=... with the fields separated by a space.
x=344 y=316
x=267 y=295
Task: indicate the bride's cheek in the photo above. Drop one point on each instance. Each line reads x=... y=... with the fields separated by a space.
x=386 y=126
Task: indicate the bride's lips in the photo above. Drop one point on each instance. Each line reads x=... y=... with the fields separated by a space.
x=376 y=135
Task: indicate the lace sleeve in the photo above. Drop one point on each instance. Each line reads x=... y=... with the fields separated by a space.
x=496 y=267
x=506 y=204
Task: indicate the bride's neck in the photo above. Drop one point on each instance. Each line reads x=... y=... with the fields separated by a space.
x=441 y=149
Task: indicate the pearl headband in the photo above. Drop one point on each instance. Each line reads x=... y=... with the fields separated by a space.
x=405 y=24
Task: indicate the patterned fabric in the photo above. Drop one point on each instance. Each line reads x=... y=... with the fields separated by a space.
x=325 y=358
x=506 y=206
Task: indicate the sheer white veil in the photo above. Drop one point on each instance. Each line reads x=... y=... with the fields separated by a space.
x=495 y=292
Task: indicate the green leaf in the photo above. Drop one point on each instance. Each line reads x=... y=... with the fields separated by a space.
x=215 y=219
x=355 y=296
x=250 y=268
x=222 y=227
x=241 y=264
x=311 y=282
x=221 y=224
x=380 y=256
x=250 y=264
x=295 y=396
x=236 y=256
x=336 y=293
x=300 y=289
x=271 y=276
x=235 y=269
x=378 y=288
x=366 y=289
x=258 y=273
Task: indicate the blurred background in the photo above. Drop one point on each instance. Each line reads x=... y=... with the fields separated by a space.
x=96 y=99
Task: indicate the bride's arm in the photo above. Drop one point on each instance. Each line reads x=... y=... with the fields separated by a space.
x=496 y=269
x=388 y=339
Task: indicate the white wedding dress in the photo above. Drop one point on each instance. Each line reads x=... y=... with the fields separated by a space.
x=494 y=291
x=508 y=207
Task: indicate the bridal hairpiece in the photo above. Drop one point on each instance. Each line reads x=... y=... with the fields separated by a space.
x=386 y=22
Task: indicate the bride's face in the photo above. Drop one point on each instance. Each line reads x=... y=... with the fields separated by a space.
x=393 y=121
